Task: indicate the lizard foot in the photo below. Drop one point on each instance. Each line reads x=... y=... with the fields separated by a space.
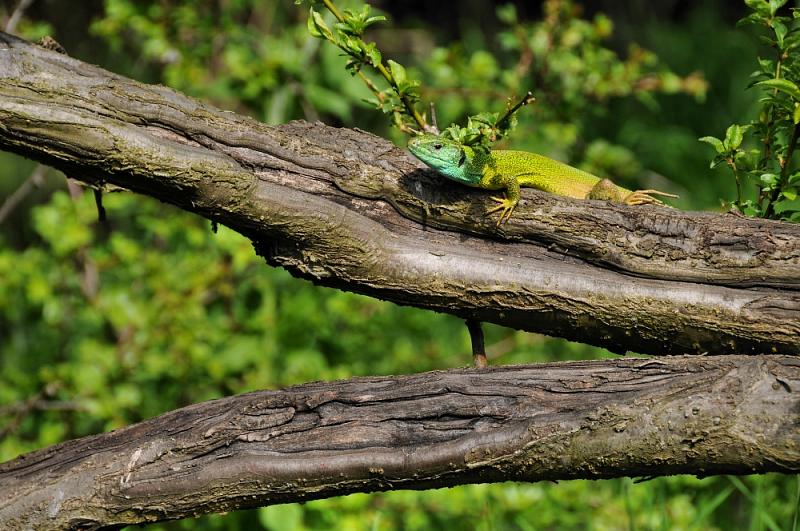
x=645 y=197
x=506 y=207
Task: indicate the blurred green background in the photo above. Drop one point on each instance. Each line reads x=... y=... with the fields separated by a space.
x=105 y=325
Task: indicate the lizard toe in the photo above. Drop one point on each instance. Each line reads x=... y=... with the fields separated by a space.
x=645 y=197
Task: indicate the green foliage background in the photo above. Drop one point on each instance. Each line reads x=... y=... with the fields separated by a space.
x=102 y=326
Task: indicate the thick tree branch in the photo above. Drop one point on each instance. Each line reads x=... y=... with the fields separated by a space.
x=346 y=209
x=624 y=417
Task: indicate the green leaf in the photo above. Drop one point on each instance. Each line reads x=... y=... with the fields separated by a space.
x=767 y=66
x=715 y=142
x=752 y=18
x=484 y=118
x=759 y=6
x=398 y=72
x=796 y=115
x=768 y=180
x=373 y=54
x=356 y=22
x=791 y=195
x=780 y=32
x=352 y=45
x=787 y=205
x=317 y=27
x=783 y=85
x=774 y=5
x=312 y=28
x=373 y=20
x=719 y=159
x=734 y=136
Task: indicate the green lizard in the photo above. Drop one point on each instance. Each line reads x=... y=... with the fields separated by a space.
x=508 y=170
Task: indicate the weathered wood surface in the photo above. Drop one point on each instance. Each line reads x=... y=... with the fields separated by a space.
x=349 y=210
x=598 y=419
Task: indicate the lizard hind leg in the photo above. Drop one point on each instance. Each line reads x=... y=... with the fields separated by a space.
x=645 y=197
x=608 y=191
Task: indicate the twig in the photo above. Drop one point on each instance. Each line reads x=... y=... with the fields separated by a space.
x=412 y=111
x=39 y=404
x=526 y=99
x=89 y=280
x=15 y=17
x=20 y=410
x=34 y=180
x=98 y=201
x=478 y=348
x=784 y=170
x=434 y=121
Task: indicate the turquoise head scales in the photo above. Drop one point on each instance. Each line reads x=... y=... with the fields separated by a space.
x=447 y=157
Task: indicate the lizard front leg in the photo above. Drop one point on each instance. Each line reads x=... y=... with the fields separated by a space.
x=509 y=200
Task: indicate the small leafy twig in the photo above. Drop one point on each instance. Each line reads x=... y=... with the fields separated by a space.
x=783 y=182
x=348 y=37
x=778 y=127
x=332 y=8
x=400 y=99
x=729 y=151
x=507 y=117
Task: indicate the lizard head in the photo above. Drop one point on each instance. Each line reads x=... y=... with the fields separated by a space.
x=447 y=157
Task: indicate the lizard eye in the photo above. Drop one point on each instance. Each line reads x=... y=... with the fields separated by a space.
x=437 y=146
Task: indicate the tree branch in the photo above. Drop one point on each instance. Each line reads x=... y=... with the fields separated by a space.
x=346 y=209
x=599 y=419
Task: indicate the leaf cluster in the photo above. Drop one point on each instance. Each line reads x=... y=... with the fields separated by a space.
x=400 y=98
x=561 y=58
x=403 y=93
x=766 y=160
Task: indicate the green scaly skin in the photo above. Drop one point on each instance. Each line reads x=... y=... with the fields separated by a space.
x=510 y=170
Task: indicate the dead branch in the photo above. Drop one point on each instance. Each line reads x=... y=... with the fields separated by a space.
x=599 y=419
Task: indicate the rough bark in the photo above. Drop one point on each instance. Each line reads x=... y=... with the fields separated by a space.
x=346 y=209
x=602 y=419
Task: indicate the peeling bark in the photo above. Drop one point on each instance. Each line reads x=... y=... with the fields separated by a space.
x=599 y=419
